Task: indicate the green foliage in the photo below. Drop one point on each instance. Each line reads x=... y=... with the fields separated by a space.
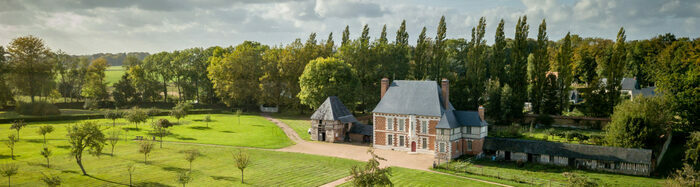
x=38 y=108
x=184 y=177
x=11 y=141
x=494 y=112
x=30 y=65
x=9 y=170
x=476 y=74
x=678 y=78
x=692 y=152
x=95 y=87
x=576 y=180
x=506 y=132
x=564 y=73
x=46 y=153
x=43 y=130
x=437 y=68
x=544 y=119
x=551 y=96
x=538 y=67
x=326 y=77
x=638 y=123
x=18 y=125
x=124 y=92
x=371 y=174
x=686 y=176
x=236 y=75
x=84 y=136
x=516 y=96
x=422 y=57
x=242 y=161
x=207 y=119
x=51 y=181
x=145 y=148
x=113 y=139
x=191 y=155
x=113 y=115
x=136 y=116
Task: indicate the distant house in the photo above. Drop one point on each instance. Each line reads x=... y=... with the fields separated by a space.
x=630 y=87
x=611 y=159
x=332 y=121
x=417 y=117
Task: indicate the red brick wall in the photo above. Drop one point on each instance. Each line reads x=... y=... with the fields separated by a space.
x=431 y=126
x=477 y=146
x=431 y=143
x=379 y=138
x=379 y=123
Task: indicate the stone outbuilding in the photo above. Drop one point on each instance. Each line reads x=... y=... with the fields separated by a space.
x=332 y=121
x=603 y=158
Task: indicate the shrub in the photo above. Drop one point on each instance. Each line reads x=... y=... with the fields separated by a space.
x=507 y=132
x=38 y=108
x=545 y=120
x=574 y=179
x=91 y=104
x=520 y=163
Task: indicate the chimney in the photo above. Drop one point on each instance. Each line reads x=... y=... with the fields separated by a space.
x=445 y=93
x=385 y=86
x=481 y=112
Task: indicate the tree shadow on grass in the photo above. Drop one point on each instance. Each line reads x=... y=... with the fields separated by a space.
x=150 y=184
x=199 y=128
x=7 y=156
x=35 y=140
x=228 y=132
x=258 y=125
x=174 y=169
x=219 y=178
x=185 y=138
x=63 y=146
x=107 y=181
x=69 y=171
x=131 y=128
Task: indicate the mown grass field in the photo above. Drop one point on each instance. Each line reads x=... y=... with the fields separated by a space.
x=214 y=168
x=409 y=177
x=546 y=175
x=300 y=123
x=113 y=74
x=253 y=130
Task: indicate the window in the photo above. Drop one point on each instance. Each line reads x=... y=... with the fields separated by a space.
x=469 y=145
x=401 y=141
x=442 y=147
x=425 y=143
x=401 y=125
x=424 y=127
x=389 y=123
x=468 y=130
x=442 y=131
x=390 y=139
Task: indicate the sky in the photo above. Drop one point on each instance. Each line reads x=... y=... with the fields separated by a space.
x=110 y=26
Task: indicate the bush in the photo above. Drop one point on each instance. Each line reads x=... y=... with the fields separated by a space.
x=545 y=120
x=507 y=132
x=574 y=179
x=38 y=108
x=91 y=104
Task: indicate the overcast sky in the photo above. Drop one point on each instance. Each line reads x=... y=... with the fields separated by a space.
x=92 y=26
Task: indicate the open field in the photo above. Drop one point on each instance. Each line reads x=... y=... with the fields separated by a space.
x=545 y=175
x=300 y=123
x=113 y=74
x=409 y=177
x=214 y=168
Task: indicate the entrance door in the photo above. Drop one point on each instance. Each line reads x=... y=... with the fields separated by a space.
x=413 y=146
x=323 y=136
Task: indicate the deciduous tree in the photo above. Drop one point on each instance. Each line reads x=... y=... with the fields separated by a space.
x=326 y=77
x=145 y=148
x=9 y=170
x=242 y=161
x=30 y=65
x=43 y=130
x=11 y=141
x=371 y=174
x=85 y=136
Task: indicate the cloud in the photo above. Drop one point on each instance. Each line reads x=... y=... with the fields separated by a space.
x=347 y=9
x=91 y=26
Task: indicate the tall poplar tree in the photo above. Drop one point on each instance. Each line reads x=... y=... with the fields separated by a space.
x=537 y=74
x=565 y=72
x=476 y=66
x=613 y=71
x=517 y=73
x=438 y=63
x=400 y=54
x=498 y=61
x=346 y=36
x=421 y=57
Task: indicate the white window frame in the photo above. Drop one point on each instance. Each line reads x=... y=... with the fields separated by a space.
x=424 y=127
x=441 y=147
x=389 y=123
x=425 y=143
x=402 y=124
x=390 y=139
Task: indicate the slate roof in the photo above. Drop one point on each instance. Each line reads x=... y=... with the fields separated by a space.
x=591 y=152
x=412 y=98
x=333 y=109
x=359 y=128
x=629 y=84
x=458 y=118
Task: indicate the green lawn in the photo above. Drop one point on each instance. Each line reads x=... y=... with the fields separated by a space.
x=544 y=174
x=214 y=168
x=300 y=123
x=113 y=74
x=410 y=177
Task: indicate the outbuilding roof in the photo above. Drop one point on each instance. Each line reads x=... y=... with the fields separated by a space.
x=333 y=109
x=359 y=128
x=591 y=152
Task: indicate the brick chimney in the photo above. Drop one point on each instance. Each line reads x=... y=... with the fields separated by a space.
x=481 y=112
x=385 y=86
x=445 y=93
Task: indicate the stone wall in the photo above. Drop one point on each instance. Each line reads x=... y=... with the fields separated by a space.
x=572 y=122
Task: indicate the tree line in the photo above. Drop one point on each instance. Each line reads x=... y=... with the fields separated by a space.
x=502 y=76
